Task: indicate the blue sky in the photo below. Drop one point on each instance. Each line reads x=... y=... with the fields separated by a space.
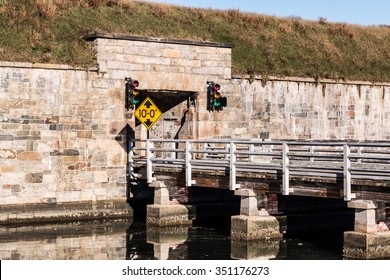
x=363 y=12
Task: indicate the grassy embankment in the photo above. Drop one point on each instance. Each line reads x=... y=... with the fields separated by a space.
x=40 y=31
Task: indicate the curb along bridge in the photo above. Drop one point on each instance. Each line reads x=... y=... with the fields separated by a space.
x=321 y=169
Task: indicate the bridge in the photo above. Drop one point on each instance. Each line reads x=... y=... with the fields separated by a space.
x=347 y=170
x=356 y=172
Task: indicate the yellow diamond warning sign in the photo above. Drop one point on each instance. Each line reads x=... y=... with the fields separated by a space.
x=148 y=113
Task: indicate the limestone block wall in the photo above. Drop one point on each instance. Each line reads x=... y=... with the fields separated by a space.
x=165 y=65
x=161 y=64
x=57 y=136
x=296 y=108
x=61 y=129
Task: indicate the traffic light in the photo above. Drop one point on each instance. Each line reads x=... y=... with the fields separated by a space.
x=132 y=93
x=215 y=101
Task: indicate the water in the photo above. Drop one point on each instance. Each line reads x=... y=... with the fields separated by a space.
x=122 y=239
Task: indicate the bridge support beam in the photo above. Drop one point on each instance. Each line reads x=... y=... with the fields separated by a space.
x=162 y=212
x=365 y=242
x=254 y=234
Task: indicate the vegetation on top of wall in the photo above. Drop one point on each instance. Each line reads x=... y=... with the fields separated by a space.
x=51 y=31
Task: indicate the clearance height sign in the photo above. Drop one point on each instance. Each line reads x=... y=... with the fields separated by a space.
x=148 y=113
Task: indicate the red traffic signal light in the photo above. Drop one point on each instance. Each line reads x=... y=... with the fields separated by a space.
x=131 y=93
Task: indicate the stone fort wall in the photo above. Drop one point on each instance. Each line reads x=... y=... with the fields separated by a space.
x=61 y=145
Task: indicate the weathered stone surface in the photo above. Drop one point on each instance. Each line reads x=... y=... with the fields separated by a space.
x=157 y=184
x=167 y=215
x=359 y=245
x=100 y=177
x=27 y=155
x=248 y=205
x=84 y=134
x=34 y=178
x=51 y=210
x=7 y=154
x=361 y=204
x=7 y=169
x=161 y=196
x=7 y=137
x=254 y=228
x=365 y=220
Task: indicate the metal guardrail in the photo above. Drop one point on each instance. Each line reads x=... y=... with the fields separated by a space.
x=339 y=160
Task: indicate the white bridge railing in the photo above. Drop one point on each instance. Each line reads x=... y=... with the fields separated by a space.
x=339 y=160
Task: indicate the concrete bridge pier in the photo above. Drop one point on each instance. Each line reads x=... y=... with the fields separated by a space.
x=366 y=241
x=163 y=212
x=252 y=226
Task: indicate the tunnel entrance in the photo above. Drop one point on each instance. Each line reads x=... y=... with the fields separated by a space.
x=174 y=106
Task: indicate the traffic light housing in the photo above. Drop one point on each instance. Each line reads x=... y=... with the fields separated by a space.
x=215 y=101
x=132 y=93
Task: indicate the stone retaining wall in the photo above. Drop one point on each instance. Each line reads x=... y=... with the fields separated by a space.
x=63 y=130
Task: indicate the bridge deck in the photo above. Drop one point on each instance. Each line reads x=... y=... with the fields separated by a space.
x=323 y=169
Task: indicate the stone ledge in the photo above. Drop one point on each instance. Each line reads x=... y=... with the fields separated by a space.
x=96 y=35
x=55 y=212
x=307 y=80
x=48 y=66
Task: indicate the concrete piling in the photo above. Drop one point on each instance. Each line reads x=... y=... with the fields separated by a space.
x=162 y=213
x=250 y=225
x=365 y=242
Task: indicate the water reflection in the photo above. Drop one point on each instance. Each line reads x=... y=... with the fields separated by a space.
x=167 y=241
x=94 y=240
x=266 y=249
x=123 y=239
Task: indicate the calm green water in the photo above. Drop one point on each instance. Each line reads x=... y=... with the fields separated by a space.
x=120 y=240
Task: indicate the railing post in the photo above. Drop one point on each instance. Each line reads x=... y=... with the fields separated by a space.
x=251 y=149
x=188 y=165
x=286 y=171
x=149 y=163
x=359 y=152
x=172 y=155
x=312 y=148
x=347 y=174
x=232 y=163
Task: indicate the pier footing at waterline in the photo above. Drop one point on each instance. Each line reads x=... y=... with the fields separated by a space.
x=167 y=215
x=163 y=212
x=252 y=224
x=254 y=228
x=361 y=245
x=365 y=242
